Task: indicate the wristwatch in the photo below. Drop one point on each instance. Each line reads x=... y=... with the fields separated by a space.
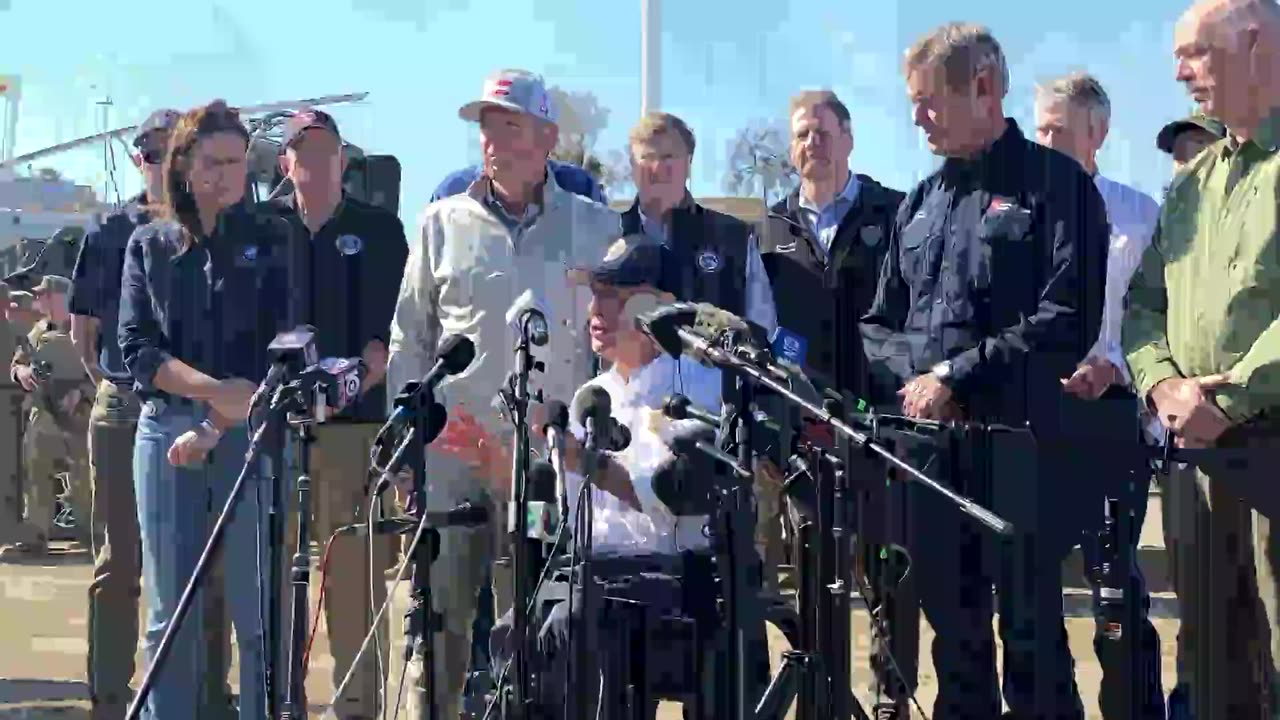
x=942 y=371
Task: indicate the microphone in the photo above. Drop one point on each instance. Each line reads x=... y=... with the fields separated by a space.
x=554 y=430
x=289 y=350
x=529 y=312
x=454 y=354
x=680 y=407
x=593 y=408
x=336 y=382
x=685 y=483
x=541 y=511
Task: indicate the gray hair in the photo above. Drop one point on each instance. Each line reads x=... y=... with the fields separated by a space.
x=1083 y=90
x=962 y=50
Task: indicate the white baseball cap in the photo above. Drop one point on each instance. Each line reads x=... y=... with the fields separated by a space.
x=518 y=90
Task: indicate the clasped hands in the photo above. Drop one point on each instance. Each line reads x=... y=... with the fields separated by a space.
x=927 y=397
x=1186 y=406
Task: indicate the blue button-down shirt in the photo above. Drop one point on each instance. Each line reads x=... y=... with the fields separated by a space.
x=96 y=292
x=824 y=221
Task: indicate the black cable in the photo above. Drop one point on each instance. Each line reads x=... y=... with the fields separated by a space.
x=546 y=568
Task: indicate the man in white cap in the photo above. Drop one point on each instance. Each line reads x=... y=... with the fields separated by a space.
x=513 y=230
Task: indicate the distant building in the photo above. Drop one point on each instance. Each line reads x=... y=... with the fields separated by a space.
x=32 y=209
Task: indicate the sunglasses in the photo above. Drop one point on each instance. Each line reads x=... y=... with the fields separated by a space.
x=151 y=156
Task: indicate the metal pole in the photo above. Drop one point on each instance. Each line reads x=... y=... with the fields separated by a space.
x=650 y=56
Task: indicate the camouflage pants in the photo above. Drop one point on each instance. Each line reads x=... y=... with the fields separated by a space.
x=47 y=450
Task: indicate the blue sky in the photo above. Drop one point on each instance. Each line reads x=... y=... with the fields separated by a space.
x=725 y=63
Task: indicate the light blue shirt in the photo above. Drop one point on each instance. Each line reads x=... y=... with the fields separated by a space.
x=824 y=221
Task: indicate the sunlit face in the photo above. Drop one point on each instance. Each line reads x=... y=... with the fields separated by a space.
x=218 y=170
x=820 y=146
x=515 y=145
x=1214 y=67
x=1189 y=143
x=951 y=120
x=660 y=167
x=1067 y=127
x=315 y=162
x=612 y=326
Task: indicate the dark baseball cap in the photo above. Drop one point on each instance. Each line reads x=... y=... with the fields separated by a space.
x=631 y=261
x=1169 y=133
x=163 y=119
x=307 y=119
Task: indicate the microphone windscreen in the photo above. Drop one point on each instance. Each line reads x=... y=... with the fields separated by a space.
x=681 y=483
x=557 y=416
x=591 y=401
x=541 y=482
x=664 y=323
x=457 y=352
x=680 y=436
x=713 y=321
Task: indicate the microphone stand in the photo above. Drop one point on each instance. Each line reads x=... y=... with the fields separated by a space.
x=252 y=456
x=730 y=361
x=295 y=703
x=518 y=702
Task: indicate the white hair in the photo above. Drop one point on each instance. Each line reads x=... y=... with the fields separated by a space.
x=1083 y=90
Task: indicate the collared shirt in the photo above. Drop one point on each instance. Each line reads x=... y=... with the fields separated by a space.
x=344 y=279
x=1133 y=216
x=1207 y=296
x=96 y=278
x=758 y=291
x=619 y=529
x=517 y=226
x=824 y=221
x=466 y=270
x=570 y=177
x=997 y=264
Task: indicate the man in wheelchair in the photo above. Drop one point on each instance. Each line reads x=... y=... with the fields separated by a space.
x=655 y=623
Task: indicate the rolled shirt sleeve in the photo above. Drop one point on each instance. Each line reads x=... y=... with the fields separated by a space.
x=142 y=343
x=1144 y=339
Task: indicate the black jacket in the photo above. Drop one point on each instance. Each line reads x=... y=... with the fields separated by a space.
x=344 y=281
x=998 y=264
x=822 y=300
x=706 y=259
x=216 y=307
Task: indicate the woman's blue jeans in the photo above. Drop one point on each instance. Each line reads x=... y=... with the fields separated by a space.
x=177 y=509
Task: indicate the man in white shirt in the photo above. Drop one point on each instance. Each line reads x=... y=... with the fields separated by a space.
x=641 y=550
x=477 y=253
x=1073 y=115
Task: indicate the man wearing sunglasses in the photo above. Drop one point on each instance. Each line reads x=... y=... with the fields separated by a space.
x=113 y=595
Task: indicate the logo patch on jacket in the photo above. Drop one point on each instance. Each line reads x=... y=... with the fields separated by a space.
x=871 y=235
x=709 y=261
x=349 y=244
x=250 y=252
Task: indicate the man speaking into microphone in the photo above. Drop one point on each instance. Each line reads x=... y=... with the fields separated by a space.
x=346 y=260
x=514 y=230
x=634 y=529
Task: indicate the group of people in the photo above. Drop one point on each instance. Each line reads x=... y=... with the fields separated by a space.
x=1014 y=286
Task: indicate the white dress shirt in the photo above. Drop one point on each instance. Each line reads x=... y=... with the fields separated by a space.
x=1133 y=215
x=619 y=529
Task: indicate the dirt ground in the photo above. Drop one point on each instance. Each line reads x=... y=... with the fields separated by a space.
x=43 y=647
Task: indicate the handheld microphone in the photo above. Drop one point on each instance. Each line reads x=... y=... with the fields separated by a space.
x=554 y=430
x=291 y=350
x=336 y=382
x=454 y=354
x=593 y=408
x=528 y=313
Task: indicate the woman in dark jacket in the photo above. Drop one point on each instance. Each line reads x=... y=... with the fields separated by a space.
x=203 y=294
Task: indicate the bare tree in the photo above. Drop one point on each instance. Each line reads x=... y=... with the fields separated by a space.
x=759 y=162
x=582 y=118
